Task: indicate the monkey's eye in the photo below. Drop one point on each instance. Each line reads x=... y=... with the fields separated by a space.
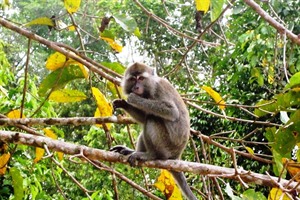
x=132 y=79
x=141 y=78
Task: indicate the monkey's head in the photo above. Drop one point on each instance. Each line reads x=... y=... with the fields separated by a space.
x=139 y=79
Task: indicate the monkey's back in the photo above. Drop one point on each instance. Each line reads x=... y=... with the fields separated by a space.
x=179 y=129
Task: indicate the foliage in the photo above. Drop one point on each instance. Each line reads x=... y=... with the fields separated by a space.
x=242 y=72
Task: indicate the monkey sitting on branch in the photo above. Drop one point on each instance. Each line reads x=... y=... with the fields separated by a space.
x=154 y=102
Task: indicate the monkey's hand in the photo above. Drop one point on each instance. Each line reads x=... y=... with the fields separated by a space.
x=133 y=99
x=119 y=103
x=122 y=150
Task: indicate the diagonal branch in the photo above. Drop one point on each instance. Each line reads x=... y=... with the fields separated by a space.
x=54 y=46
x=279 y=27
x=176 y=165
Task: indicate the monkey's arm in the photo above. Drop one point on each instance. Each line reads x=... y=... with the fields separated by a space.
x=165 y=109
x=137 y=114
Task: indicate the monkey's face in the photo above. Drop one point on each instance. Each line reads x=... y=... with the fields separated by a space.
x=137 y=83
x=139 y=79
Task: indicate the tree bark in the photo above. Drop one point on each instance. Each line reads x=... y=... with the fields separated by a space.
x=176 y=165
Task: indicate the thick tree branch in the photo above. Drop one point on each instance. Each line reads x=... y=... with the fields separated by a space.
x=76 y=121
x=279 y=27
x=79 y=121
x=54 y=46
x=177 y=165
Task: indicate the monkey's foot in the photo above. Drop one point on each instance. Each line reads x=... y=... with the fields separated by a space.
x=122 y=150
x=137 y=157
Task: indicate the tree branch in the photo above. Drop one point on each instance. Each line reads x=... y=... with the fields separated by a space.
x=76 y=121
x=176 y=165
x=23 y=123
x=173 y=30
x=279 y=27
x=54 y=46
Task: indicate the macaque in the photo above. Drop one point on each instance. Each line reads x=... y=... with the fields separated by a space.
x=157 y=106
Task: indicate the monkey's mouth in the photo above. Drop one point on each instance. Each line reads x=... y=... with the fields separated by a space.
x=145 y=94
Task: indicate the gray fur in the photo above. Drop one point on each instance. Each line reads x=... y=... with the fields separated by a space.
x=163 y=115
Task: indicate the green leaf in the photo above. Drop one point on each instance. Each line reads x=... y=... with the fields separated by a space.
x=265 y=107
x=126 y=22
x=278 y=165
x=250 y=194
x=137 y=32
x=256 y=75
x=294 y=81
x=216 y=9
x=59 y=78
x=108 y=34
x=229 y=192
x=41 y=21
x=17 y=181
x=284 y=140
x=67 y=95
x=286 y=100
x=115 y=66
x=269 y=134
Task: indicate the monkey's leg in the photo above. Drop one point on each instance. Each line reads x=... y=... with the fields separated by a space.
x=141 y=153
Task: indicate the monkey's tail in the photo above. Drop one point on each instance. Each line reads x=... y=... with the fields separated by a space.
x=181 y=181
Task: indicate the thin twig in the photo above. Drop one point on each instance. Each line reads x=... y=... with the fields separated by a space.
x=25 y=77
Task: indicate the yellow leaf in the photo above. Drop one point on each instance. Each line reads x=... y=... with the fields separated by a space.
x=265 y=62
x=41 y=21
x=166 y=184
x=60 y=156
x=67 y=95
x=113 y=44
x=15 y=114
x=296 y=89
x=277 y=194
x=250 y=150
x=104 y=109
x=84 y=70
x=202 y=5
x=72 y=5
x=39 y=153
x=4 y=158
x=115 y=90
x=49 y=133
x=271 y=74
x=71 y=28
x=56 y=61
x=292 y=167
x=216 y=96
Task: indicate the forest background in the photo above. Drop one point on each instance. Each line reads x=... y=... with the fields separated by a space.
x=235 y=63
